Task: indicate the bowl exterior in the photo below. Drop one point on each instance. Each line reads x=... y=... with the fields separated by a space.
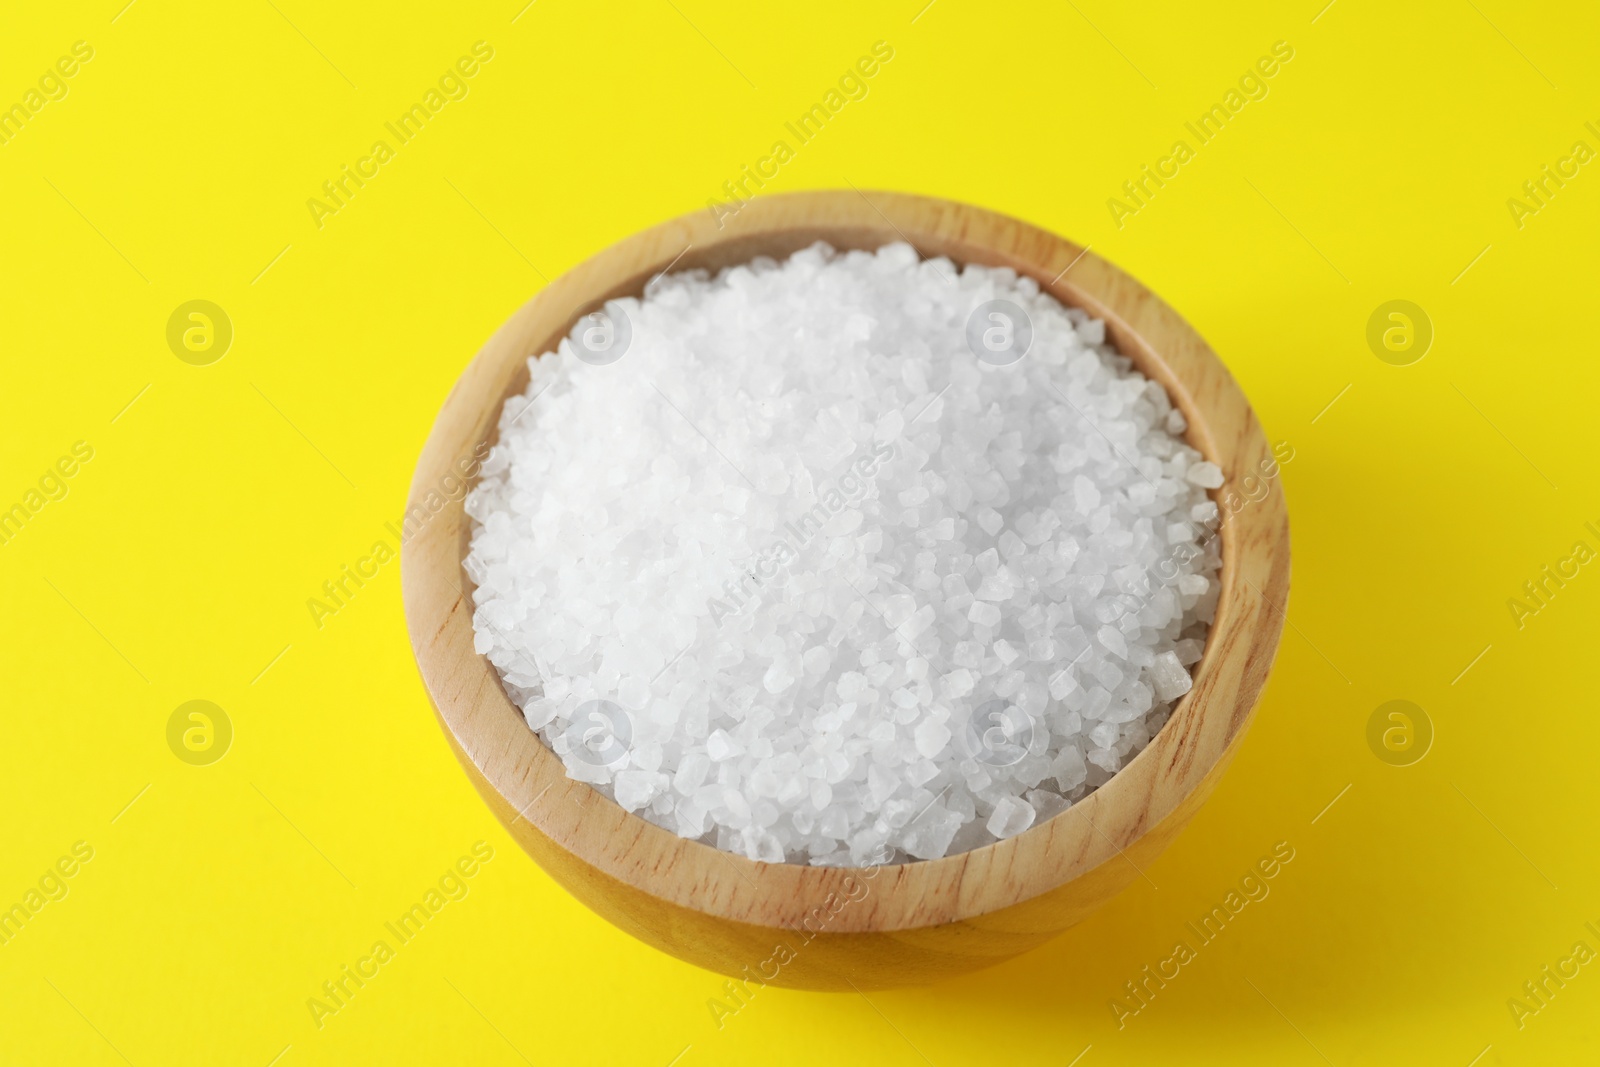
x=813 y=954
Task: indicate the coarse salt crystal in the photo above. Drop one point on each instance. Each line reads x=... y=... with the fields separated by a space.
x=1011 y=816
x=1206 y=474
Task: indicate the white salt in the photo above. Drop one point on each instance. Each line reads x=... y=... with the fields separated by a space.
x=1206 y=474
x=1169 y=677
x=985 y=614
x=931 y=736
x=1011 y=816
x=811 y=572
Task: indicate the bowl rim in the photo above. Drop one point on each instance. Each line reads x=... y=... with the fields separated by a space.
x=526 y=782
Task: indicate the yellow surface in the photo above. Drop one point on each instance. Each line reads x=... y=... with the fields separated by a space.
x=177 y=566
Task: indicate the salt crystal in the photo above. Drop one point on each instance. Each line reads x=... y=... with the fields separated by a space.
x=778 y=677
x=635 y=788
x=720 y=746
x=994 y=587
x=692 y=770
x=1206 y=474
x=958 y=683
x=1112 y=640
x=1011 y=816
x=1069 y=769
x=1169 y=677
x=1047 y=805
x=931 y=737
x=928 y=837
x=850 y=685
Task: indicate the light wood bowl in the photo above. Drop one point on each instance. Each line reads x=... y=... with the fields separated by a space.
x=838 y=928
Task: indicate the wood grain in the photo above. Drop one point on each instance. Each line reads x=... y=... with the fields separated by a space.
x=842 y=928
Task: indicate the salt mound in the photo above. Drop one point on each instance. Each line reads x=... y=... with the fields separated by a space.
x=849 y=559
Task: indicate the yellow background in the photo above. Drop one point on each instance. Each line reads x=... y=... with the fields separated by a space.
x=178 y=566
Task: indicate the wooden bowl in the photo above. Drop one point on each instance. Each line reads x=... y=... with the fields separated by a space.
x=829 y=927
